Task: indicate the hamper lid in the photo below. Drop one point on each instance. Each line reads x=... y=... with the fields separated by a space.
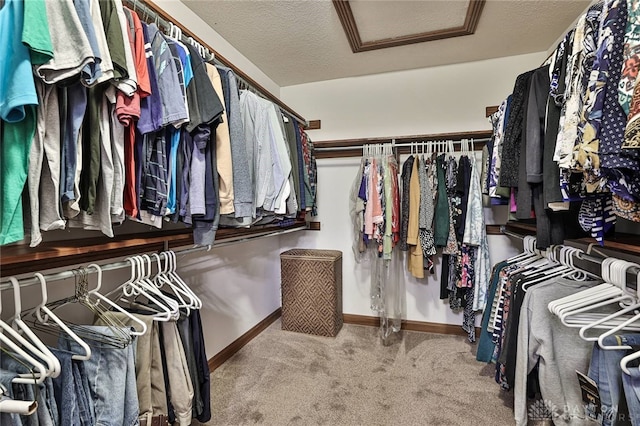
x=312 y=254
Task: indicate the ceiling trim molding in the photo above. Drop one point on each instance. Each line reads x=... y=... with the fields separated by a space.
x=343 y=8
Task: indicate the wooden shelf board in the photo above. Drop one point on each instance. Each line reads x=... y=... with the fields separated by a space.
x=620 y=242
x=22 y=259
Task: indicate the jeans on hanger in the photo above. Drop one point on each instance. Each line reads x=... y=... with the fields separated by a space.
x=112 y=379
x=606 y=372
x=71 y=389
x=6 y=377
x=631 y=383
x=47 y=411
x=150 y=384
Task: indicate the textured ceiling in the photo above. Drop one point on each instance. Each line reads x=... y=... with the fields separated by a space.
x=300 y=41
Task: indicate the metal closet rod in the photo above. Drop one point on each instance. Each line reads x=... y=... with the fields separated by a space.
x=150 y=15
x=58 y=276
x=395 y=145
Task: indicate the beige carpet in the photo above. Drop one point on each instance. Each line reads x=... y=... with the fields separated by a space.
x=286 y=378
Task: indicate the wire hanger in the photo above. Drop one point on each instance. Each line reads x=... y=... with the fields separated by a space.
x=118 y=337
x=42 y=308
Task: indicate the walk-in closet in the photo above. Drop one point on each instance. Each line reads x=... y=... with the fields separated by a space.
x=346 y=212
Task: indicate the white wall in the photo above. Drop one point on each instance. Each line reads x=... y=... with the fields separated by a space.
x=444 y=99
x=432 y=100
x=239 y=286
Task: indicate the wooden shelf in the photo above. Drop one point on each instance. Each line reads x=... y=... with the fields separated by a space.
x=22 y=259
x=619 y=242
x=521 y=228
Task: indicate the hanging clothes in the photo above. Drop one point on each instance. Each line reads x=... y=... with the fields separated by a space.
x=115 y=100
x=375 y=215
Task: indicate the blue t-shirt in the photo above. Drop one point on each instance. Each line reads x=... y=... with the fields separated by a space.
x=17 y=88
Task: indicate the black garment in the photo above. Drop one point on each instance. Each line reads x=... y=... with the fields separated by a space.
x=535 y=126
x=509 y=352
x=91 y=149
x=513 y=132
x=441 y=212
x=165 y=373
x=407 y=169
x=155 y=191
x=444 y=277
x=550 y=169
x=464 y=182
x=204 y=104
x=202 y=366
x=205 y=226
x=186 y=337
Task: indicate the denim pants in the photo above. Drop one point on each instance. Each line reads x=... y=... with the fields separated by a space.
x=71 y=389
x=606 y=372
x=112 y=379
x=631 y=385
x=8 y=419
x=47 y=411
x=152 y=399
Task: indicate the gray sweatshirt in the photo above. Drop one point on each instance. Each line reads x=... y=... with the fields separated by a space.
x=559 y=350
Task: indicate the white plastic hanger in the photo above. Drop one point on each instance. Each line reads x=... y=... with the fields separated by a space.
x=102 y=298
x=53 y=364
x=161 y=279
x=7 y=405
x=625 y=324
x=172 y=304
x=40 y=372
x=528 y=250
x=42 y=308
x=612 y=291
x=135 y=287
x=590 y=296
x=174 y=273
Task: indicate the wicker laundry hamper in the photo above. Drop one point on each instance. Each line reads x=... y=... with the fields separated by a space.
x=312 y=291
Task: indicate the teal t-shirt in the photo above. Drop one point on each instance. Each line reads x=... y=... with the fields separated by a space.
x=21 y=48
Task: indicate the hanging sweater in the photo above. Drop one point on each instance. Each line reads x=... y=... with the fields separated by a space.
x=557 y=350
